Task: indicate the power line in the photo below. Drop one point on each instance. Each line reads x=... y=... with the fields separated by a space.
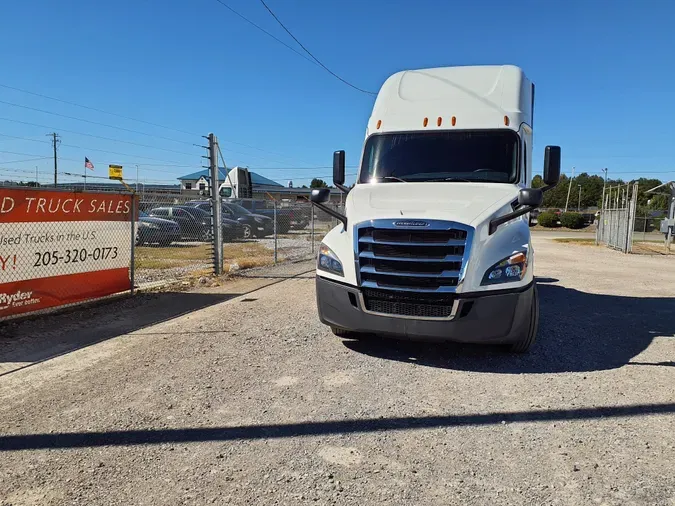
x=311 y=55
x=94 y=122
x=264 y=31
x=128 y=142
x=88 y=135
x=95 y=150
x=168 y=164
x=96 y=110
x=144 y=121
x=28 y=160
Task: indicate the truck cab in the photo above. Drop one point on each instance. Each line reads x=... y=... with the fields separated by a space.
x=434 y=242
x=237 y=184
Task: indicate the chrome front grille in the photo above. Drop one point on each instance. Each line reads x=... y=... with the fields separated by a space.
x=429 y=256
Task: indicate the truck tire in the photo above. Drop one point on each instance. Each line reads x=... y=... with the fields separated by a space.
x=526 y=342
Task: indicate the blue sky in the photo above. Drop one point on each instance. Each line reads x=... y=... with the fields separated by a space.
x=602 y=71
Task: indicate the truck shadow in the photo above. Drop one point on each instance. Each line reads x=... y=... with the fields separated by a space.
x=578 y=332
x=24 y=343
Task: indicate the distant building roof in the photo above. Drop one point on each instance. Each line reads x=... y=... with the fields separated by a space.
x=256 y=178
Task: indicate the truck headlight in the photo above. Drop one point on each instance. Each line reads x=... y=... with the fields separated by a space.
x=328 y=261
x=508 y=270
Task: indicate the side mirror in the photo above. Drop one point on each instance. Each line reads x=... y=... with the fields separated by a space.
x=320 y=195
x=338 y=168
x=551 y=165
x=530 y=197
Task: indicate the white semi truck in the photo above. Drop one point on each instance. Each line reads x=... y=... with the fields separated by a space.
x=434 y=242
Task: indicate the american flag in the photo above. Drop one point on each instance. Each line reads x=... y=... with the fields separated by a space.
x=88 y=164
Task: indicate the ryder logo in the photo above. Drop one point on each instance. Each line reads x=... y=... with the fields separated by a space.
x=19 y=298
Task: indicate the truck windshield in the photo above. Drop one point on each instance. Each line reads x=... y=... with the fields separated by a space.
x=471 y=156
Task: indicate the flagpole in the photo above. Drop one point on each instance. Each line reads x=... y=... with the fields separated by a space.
x=85 y=177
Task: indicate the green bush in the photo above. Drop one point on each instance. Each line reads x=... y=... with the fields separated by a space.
x=548 y=219
x=572 y=220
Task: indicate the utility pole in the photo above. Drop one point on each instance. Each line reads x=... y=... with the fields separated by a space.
x=136 y=178
x=215 y=204
x=55 y=141
x=37 y=177
x=568 y=190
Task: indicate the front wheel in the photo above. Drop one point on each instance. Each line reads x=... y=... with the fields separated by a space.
x=525 y=343
x=247 y=232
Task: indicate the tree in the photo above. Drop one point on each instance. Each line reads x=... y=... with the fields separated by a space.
x=591 y=191
x=318 y=183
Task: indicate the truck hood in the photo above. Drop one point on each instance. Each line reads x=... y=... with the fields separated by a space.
x=467 y=203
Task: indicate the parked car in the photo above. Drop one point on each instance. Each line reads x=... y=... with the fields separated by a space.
x=287 y=218
x=153 y=230
x=195 y=223
x=254 y=225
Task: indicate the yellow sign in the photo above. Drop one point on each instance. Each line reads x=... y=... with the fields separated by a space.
x=115 y=172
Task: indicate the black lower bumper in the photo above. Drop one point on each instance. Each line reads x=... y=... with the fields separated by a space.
x=493 y=317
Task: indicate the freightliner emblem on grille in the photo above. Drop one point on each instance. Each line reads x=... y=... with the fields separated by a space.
x=411 y=223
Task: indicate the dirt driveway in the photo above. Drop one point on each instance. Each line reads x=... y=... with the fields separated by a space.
x=248 y=399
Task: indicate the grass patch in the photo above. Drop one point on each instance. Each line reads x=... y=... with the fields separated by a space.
x=639 y=247
x=246 y=255
x=148 y=257
x=539 y=228
x=650 y=248
x=236 y=256
x=574 y=240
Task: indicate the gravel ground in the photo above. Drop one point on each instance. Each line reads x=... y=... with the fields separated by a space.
x=252 y=401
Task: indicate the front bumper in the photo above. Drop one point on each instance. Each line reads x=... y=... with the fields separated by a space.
x=488 y=317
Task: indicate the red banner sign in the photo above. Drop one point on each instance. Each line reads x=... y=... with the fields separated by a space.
x=60 y=248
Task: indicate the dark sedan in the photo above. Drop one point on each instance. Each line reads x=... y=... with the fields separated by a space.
x=255 y=225
x=195 y=223
x=153 y=230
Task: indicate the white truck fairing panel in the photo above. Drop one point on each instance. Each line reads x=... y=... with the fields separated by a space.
x=477 y=96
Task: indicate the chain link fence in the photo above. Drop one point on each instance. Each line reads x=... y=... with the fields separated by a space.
x=648 y=223
x=175 y=235
x=174 y=239
x=617 y=218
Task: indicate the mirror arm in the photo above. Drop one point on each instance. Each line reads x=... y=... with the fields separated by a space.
x=342 y=188
x=508 y=217
x=333 y=213
x=548 y=187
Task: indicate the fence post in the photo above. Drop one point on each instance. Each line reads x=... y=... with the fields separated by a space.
x=275 y=231
x=312 y=211
x=216 y=232
x=132 y=266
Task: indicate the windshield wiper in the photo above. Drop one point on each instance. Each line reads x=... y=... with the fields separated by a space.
x=391 y=178
x=450 y=179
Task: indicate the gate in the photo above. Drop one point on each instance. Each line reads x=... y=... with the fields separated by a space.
x=617 y=217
